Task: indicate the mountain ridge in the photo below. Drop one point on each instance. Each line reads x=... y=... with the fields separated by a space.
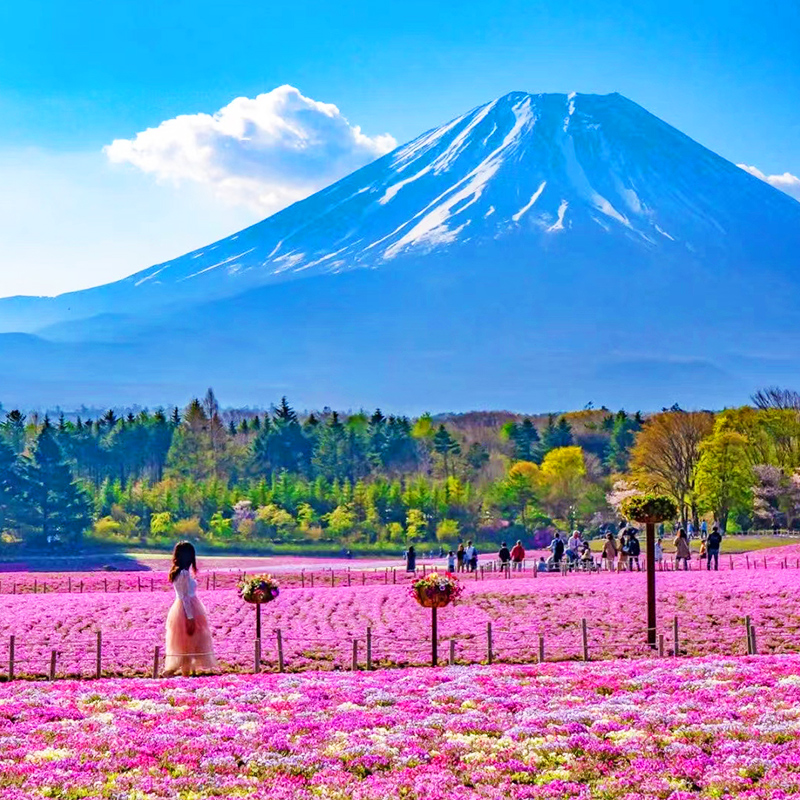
x=582 y=222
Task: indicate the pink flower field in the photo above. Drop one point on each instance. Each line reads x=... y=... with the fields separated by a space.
x=624 y=730
x=318 y=625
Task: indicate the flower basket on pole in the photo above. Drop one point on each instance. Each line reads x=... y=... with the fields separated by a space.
x=650 y=509
x=258 y=589
x=435 y=591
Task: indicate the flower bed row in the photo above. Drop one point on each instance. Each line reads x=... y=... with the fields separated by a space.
x=714 y=728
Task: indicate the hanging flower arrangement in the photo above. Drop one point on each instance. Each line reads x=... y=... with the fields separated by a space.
x=258 y=589
x=436 y=591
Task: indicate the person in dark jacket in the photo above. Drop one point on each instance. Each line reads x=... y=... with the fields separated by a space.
x=504 y=554
x=557 y=548
x=634 y=549
x=411 y=559
x=713 y=544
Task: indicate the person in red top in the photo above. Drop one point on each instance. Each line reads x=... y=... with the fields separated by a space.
x=517 y=555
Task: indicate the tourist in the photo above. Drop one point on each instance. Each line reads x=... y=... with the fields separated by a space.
x=471 y=556
x=713 y=544
x=658 y=551
x=587 y=561
x=461 y=557
x=634 y=550
x=451 y=561
x=574 y=546
x=542 y=565
x=622 y=549
x=411 y=559
x=189 y=645
x=609 y=552
x=517 y=556
x=703 y=530
x=690 y=530
x=504 y=554
x=682 y=550
x=557 y=548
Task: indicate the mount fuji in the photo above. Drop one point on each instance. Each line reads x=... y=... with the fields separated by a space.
x=540 y=251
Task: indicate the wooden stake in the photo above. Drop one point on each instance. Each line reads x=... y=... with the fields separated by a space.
x=119 y=586
x=81 y=587
x=105 y=584
x=52 y=665
x=363 y=578
x=753 y=646
x=151 y=585
x=69 y=585
x=369 y=648
x=394 y=575
x=434 y=637
x=747 y=558
x=348 y=576
x=489 y=653
x=257 y=655
x=747 y=634
x=731 y=560
x=214 y=580
x=303 y=578
x=332 y=579
x=99 y=660
x=675 y=639
x=11 y=648
x=541 y=648
x=34 y=585
x=661 y=645
x=156 y=660
x=312 y=580
x=279 y=639
x=354 y=665
x=452 y=659
x=584 y=639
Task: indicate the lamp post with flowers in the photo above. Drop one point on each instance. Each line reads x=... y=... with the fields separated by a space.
x=435 y=591
x=650 y=509
x=258 y=590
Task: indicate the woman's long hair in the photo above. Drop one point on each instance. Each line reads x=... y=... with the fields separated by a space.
x=183 y=557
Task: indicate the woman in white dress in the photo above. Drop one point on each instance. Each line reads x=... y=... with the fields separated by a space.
x=189 y=645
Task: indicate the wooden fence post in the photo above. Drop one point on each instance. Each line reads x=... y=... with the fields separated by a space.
x=81 y=587
x=747 y=635
x=369 y=648
x=105 y=584
x=541 y=648
x=11 y=648
x=731 y=560
x=363 y=577
x=151 y=585
x=675 y=639
x=213 y=580
x=348 y=576
x=747 y=559
x=333 y=579
x=452 y=658
x=34 y=585
x=99 y=656
x=279 y=639
x=257 y=655
x=69 y=585
x=489 y=653
x=584 y=639
x=119 y=586
x=52 y=665
x=394 y=575
x=156 y=660
x=661 y=645
x=753 y=646
x=312 y=580
x=355 y=655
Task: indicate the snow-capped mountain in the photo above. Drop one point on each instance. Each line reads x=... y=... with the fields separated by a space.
x=578 y=209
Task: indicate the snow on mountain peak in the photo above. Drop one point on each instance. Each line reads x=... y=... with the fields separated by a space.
x=520 y=167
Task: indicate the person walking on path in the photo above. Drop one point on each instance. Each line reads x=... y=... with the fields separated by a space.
x=557 y=548
x=461 y=557
x=451 y=561
x=658 y=551
x=517 y=556
x=682 y=550
x=622 y=549
x=188 y=642
x=634 y=549
x=411 y=559
x=504 y=554
x=713 y=543
x=609 y=552
x=471 y=556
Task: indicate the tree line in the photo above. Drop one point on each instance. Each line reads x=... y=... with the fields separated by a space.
x=366 y=478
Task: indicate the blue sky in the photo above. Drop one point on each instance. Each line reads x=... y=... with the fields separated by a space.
x=76 y=76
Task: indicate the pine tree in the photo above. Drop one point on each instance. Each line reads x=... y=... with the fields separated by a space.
x=445 y=445
x=12 y=488
x=13 y=430
x=55 y=504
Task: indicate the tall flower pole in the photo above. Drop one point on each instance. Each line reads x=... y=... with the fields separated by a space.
x=650 y=509
x=434 y=592
x=257 y=590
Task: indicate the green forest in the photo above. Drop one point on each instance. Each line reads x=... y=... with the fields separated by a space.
x=370 y=482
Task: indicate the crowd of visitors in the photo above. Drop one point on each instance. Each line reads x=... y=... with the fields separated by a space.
x=621 y=551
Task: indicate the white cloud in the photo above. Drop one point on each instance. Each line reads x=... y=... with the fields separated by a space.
x=788 y=183
x=266 y=152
